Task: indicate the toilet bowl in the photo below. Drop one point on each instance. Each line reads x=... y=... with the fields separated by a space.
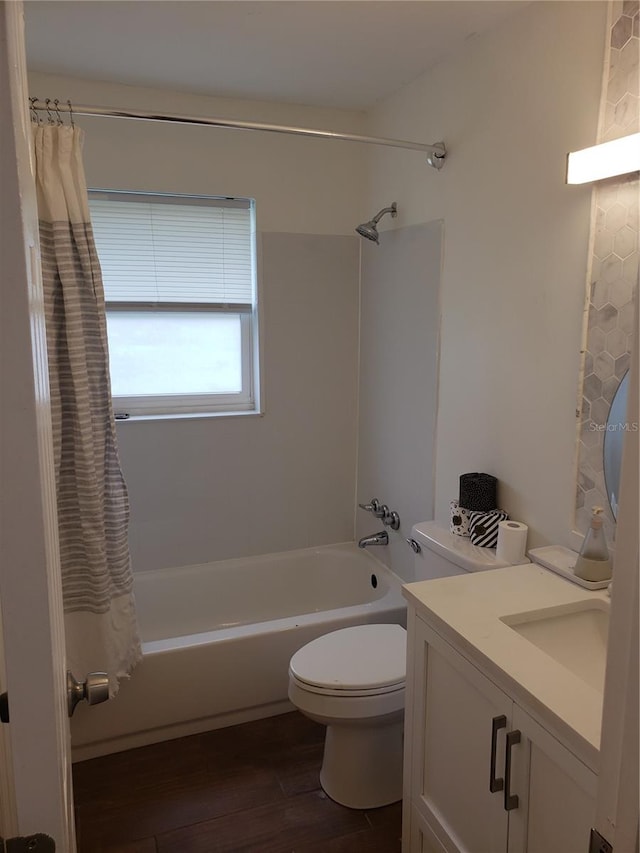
x=353 y=682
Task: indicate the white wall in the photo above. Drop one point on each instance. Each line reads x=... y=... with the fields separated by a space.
x=301 y=185
x=509 y=106
x=210 y=488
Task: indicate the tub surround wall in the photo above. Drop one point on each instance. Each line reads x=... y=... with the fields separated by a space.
x=213 y=488
x=210 y=489
x=510 y=105
x=399 y=326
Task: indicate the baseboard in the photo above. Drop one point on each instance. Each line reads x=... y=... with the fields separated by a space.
x=177 y=730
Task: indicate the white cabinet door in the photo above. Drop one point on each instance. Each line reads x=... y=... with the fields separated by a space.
x=556 y=791
x=457 y=726
x=422 y=838
x=465 y=719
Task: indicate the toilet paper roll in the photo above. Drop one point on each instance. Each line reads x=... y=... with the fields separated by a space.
x=483 y=527
x=478 y=492
x=512 y=541
x=459 y=523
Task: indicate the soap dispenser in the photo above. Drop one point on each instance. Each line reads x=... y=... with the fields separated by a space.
x=594 y=563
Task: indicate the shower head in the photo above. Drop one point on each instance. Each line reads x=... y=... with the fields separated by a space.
x=369 y=230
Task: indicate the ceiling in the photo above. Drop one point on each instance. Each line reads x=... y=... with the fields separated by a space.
x=339 y=53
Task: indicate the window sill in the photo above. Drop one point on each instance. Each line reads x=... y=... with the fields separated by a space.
x=182 y=416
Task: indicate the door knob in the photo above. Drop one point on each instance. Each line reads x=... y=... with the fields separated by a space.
x=95 y=690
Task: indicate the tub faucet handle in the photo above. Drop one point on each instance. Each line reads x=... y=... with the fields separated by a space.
x=391 y=519
x=381 y=511
x=372 y=506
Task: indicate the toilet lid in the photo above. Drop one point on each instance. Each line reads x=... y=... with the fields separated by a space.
x=364 y=657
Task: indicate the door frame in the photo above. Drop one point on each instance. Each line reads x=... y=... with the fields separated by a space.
x=618 y=786
x=36 y=749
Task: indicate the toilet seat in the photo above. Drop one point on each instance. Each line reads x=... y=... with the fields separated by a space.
x=346 y=692
x=360 y=661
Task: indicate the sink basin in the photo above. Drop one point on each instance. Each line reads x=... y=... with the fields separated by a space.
x=574 y=636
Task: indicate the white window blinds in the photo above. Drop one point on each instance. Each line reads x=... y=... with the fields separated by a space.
x=160 y=249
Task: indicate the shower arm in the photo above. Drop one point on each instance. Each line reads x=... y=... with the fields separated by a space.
x=393 y=210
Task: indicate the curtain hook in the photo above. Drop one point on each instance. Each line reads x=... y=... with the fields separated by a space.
x=32 y=110
x=71 y=113
x=56 y=104
x=49 y=113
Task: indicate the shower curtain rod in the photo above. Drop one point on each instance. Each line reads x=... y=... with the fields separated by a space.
x=436 y=153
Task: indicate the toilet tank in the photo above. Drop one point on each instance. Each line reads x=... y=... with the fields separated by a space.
x=443 y=553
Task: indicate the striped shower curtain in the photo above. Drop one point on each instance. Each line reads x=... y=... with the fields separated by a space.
x=93 y=507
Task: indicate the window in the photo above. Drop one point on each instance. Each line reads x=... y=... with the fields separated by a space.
x=179 y=282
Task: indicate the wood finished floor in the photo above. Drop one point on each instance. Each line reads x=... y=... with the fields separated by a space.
x=252 y=787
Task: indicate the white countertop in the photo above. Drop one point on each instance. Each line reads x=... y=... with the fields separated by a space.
x=466 y=611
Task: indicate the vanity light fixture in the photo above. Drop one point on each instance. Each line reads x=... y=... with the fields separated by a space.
x=606 y=160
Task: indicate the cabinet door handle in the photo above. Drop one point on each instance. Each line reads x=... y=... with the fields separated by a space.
x=511 y=801
x=497 y=723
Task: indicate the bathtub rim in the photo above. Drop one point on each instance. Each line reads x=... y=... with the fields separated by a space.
x=230 y=561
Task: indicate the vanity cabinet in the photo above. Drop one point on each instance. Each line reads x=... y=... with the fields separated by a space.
x=466 y=790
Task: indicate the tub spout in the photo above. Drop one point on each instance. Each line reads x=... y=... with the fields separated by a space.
x=381 y=538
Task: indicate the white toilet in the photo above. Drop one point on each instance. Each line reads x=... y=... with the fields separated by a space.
x=353 y=681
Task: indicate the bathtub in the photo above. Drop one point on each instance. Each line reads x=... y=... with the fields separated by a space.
x=217 y=639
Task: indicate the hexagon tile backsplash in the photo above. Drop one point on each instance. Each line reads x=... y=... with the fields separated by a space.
x=614 y=270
